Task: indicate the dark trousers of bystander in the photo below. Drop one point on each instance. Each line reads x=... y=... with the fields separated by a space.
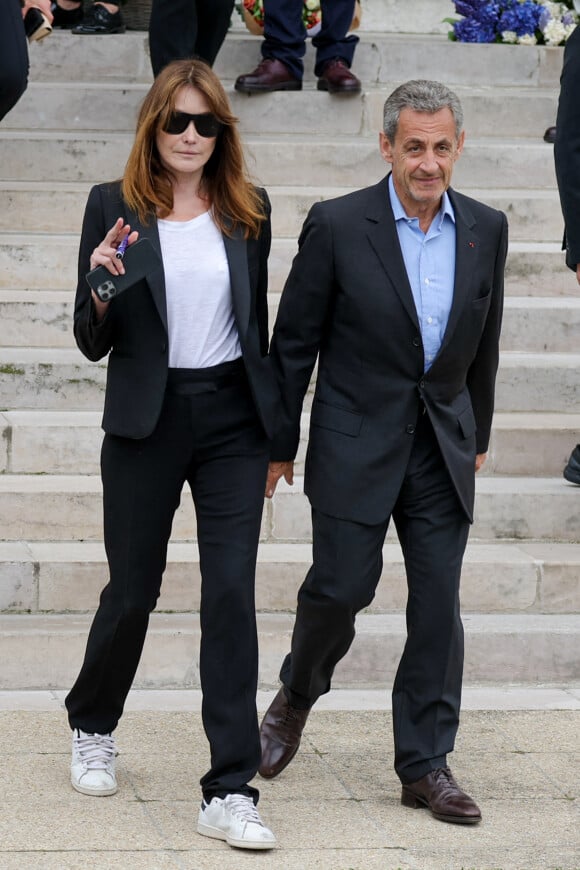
x=181 y=29
x=13 y=55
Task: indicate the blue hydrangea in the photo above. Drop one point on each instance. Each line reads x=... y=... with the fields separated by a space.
x=470 y=30
x=522 y=18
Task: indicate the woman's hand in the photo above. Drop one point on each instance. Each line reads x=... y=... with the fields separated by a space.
x=43 y=5
x=104 y=255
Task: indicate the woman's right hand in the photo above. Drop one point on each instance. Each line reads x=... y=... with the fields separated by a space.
x=104 y=255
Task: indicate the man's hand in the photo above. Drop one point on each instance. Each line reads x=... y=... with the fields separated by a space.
x=578 y=272
x=479 y=460
x=275 y=471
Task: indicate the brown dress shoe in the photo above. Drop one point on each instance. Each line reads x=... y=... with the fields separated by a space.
x=280 y=734
x=440 y=793
x=338 y=79
x=269 y=75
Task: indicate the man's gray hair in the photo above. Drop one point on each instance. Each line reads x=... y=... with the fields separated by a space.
x=420 y=95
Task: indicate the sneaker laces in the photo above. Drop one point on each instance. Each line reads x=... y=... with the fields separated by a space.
x=96 y=751
x=243 y=808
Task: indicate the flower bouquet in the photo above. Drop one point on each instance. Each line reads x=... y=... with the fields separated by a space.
x=252 y=12
x=522 y=22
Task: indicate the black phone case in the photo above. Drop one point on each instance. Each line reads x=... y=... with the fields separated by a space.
x=140 y=259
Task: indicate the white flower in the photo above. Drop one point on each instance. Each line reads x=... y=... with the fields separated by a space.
x=509 y=36
x=311 y=5
x=554 y=32
x=527 y=39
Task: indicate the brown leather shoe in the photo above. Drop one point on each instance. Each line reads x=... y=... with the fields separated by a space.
x=269 y=75
x=280 y=734
x=439 y=792
x=338 y=79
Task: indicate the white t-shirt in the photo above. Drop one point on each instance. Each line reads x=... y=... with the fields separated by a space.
x=200 y=316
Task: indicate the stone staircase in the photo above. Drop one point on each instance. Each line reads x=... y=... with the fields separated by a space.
x=73 y=128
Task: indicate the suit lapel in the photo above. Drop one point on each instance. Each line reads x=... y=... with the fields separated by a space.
x=237 y=254
x=467 y=245
x=382 y=234
x=156 y=279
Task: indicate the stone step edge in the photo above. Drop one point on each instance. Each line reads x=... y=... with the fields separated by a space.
x=520 y=420
x=515 y=302
x=280 y=245
x=25 y=484
x=517 y=551
x=310 y=191
x=72 y=356
x=499 y=648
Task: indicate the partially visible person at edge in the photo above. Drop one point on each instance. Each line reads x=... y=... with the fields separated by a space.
x=187 y=28
x=567 y=160
x=14 y=50
x=397 y=291
x=190 y=398
x=284 y=46
x=96 y=19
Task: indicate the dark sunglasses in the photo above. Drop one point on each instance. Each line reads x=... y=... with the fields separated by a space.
x=206 y=124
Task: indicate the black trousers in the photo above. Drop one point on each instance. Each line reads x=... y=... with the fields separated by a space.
x=285 y=35
x=347 y=564
x=186 y=28
x=212 y=439
x=13 y=55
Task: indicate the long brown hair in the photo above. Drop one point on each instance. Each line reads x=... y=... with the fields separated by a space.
x=147 y=185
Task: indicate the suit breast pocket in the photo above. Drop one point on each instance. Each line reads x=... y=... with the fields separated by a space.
x=336 y=419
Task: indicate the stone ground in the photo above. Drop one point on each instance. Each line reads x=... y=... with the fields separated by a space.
x=337 y=807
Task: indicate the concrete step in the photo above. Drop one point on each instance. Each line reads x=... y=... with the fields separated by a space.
x=383 y=54
x=61 y=378
x=55 y=378
x=341 y=161
x=37 y=318
x=523 y=577
x=48 y=507
x=519 y=508
x=45 y=261
x=43 y=318
x=47 y=651
x=509 y=111
x=68 y=442
x=34 y=204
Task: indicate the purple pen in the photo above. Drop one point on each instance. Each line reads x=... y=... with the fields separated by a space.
x=122 y=248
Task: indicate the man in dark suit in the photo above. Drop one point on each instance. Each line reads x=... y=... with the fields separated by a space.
x=567 y=159
x=284 y=46
x=398 y=291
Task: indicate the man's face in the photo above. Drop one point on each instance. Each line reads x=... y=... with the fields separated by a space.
x=422 y=157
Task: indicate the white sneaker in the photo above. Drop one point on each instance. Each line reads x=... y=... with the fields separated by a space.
x=92 y=769
x=235 y=819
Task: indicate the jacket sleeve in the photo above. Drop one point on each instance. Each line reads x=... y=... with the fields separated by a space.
x=483 y=370
x=299 y=330
x=567 y=148
x=93 y=338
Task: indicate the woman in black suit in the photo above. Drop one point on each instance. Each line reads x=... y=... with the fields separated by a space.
x=190 y=397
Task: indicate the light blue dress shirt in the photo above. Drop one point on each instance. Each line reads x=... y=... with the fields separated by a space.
x=430 y=263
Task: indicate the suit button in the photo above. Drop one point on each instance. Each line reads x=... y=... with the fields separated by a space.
x=421 y=383
x=417 y=342
x=163 y=347
x=410 y=428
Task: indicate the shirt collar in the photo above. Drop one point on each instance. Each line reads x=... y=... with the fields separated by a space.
x=400 y=213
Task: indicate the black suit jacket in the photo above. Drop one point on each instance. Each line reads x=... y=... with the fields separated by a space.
x=567 y=148
x=134 y=330
x=348 y=302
